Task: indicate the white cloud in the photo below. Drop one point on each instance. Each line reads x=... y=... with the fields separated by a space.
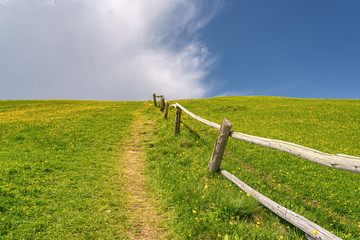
x=109 y=49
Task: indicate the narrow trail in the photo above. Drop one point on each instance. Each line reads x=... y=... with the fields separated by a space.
x=143 y=218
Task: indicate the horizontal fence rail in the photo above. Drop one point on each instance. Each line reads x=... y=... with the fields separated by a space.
x=207 y=122
x=295 y=219
x=337 y=161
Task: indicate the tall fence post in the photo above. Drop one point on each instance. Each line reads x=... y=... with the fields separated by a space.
x=218 y=152
x=166 y=110
x=162 y=104
x=177 y=120
x=154 y=98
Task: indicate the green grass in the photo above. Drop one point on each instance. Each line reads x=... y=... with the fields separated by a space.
x=59 y=175
x=210 y=207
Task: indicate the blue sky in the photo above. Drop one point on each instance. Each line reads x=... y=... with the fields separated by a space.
x=306 y=49
x=126 y=50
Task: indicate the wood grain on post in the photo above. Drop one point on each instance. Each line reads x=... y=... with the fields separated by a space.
x=177 y=120
x=218 y=152
x=162 y=104
x=154 y=98
x=166 y=110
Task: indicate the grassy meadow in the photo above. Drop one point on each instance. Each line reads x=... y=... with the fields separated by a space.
x=59 y=165
x=60 y=174
x=211 y=207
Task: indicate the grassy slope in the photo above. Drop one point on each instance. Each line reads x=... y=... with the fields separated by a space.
x=58 y=169
x=209 y=207
x=59 y=173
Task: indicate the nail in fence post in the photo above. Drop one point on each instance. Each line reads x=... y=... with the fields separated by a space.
x=154 y=98
x=166 y=110
x=162 y=104
x=177 y=120
x=218 y=152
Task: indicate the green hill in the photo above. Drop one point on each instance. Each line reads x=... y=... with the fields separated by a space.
x=60 y=177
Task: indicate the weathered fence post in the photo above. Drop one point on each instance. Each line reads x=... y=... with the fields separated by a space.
x=166 y=110
x=177 y=119
x=218 y=152
x=162 y=104
x=154 y=98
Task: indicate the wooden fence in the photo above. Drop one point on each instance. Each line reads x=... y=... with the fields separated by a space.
x=337 y=161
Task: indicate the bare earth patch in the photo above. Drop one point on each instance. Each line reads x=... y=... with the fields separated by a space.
x=143 y=218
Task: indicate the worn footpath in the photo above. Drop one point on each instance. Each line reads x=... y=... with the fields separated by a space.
x=144 y=219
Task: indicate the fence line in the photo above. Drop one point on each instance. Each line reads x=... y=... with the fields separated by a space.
x=311 y=230
x=337 y=161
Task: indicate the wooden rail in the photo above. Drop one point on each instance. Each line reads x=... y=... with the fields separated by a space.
x=207 y=122
x=295 y=219
x=337 y=161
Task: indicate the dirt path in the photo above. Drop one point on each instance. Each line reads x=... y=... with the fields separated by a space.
x=143 y=217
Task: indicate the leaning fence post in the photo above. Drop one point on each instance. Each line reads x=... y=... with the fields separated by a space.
x=154 y=98
x=218 y=152
x=177 y=120
x=162 y=104
x=166 y=110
